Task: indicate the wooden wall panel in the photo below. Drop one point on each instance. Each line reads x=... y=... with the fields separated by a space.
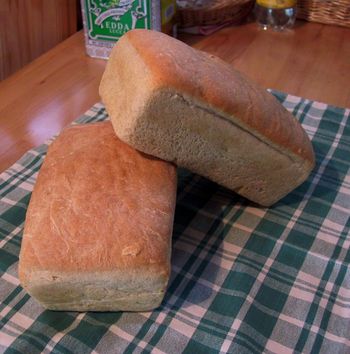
x=29 y=28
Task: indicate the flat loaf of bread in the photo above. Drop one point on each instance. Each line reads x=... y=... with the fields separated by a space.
x=98 y=229
x=182 y=105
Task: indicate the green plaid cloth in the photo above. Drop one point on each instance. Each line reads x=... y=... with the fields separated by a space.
x=245 y=279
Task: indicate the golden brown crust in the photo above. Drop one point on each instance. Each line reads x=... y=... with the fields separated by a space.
x=207 y=78
x=185 y=106
x=98 y=206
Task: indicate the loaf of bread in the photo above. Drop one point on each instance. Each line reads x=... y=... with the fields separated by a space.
x=98 y=228
x=182 y=105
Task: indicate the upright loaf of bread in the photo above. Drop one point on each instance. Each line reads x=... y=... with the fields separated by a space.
x=98 y=229
x=183 y=105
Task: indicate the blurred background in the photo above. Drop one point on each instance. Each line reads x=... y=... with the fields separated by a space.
x=29 y=28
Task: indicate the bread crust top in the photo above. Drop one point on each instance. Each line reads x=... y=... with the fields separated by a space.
x=175 y=65
x=99 y=205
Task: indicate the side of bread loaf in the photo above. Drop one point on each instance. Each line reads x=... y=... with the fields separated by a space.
x=185 y=106
x=98 y=228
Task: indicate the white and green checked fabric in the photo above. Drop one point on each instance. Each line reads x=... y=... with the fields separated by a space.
x=244 y=279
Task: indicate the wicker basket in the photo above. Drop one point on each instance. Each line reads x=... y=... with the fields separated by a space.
x=194 y=13
x=324 y=11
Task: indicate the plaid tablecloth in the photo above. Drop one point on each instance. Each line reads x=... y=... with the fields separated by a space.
x=245 y=279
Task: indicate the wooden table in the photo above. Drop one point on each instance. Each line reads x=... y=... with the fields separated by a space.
x=312 y=61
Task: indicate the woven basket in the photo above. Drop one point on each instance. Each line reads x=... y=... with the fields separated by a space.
x=324 y=11
x=212 y=12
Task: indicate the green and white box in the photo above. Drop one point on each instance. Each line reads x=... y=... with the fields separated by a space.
x=105 y=21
